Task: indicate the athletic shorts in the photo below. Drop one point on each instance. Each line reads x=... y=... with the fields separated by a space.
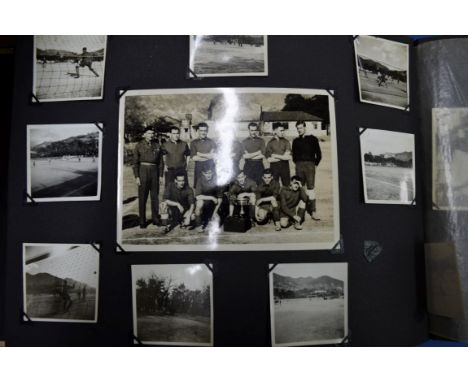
x=306 y=171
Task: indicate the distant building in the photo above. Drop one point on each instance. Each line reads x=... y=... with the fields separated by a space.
x=314 y=124
x=265 y=120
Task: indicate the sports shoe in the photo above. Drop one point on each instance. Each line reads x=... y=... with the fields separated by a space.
x=298 y=226
x=315 y=217
x=167 y=229
x=277 y=228
x=201 y=229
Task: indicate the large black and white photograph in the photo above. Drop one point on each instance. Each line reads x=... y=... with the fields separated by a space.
x=450 y=158
x=382 y=71
x=308 y=303
x=64 y=162
x=227 y=169
x=173 y=304
x=388 y=166
x=69 y=68
x=60 y=282
x=228 y=55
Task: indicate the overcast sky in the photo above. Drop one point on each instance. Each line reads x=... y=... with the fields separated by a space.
x=381 y=141
x=384 y=51
x=78 y=262
x=335 y=270
x=71 y=43
x=52 y=133
x=194 y=276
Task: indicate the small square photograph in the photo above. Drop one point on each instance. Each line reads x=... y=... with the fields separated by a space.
x=388 y=166
x=449 y=158
x=60 y=282
x=64 y=162
x=228 y=55
x=308 y=303
x=69 y=68
x=382 y=71
x=173 y=304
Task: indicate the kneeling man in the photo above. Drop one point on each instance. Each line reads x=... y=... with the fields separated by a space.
x=208 y=197
x=242 y=194
x=267 y=195
x=178 y=205
x=293 y=200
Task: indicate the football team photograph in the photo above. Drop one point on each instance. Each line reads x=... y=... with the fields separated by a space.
x=223 y=168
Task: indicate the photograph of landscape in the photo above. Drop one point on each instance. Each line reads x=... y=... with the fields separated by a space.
x=308 y=303
x=60 y=282
x=64 y=162
x=172 y=304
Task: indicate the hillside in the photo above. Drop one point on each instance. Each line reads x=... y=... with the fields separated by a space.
x=45 y=283
x=63 y=55
x=309 y=283
x=86 y=145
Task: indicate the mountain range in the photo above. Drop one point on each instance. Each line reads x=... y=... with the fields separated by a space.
x=79 y=145
x=309 y=283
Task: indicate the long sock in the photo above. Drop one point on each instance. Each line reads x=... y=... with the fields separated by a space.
x=301 y=214
x=276 y=214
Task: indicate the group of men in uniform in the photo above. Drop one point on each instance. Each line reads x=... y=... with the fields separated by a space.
x=254 y=190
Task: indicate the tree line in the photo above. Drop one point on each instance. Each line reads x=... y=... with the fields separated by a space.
x=159 y=295
x=60 y=149
x=381 y=160
x=137 y=112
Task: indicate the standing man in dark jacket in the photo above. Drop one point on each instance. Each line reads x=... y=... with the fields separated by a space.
x=307 y=155
x=146 y=168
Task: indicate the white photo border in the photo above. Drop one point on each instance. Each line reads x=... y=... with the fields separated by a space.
x=406 y=108
x=167 y=343
x=231 y=247
x=34 y=84
x=97 y=197
x=272 y=308
x=243 y=74
x=39 y=319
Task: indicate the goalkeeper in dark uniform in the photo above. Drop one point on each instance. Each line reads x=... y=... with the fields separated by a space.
x=85 y=59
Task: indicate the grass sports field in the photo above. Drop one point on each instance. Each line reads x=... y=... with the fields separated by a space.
x=304 y=319
x=50 y=306
x=56 y=80
x=174 y=329
x=392 y=93
x=63 y=177
x=313 y=231
x=224 y=58
x=389 y=183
